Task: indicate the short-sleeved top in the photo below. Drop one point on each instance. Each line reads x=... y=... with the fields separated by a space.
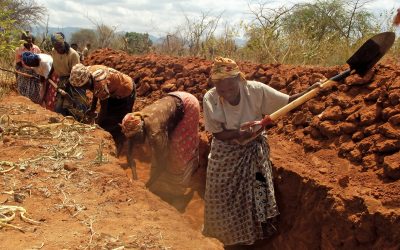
x=256 y=100
x=20 y=50
x=109 y=82
x=44 y=68
x=63 y=63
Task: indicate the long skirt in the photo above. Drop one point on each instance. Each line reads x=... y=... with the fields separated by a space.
x=51 y=93
x=239 y=199
x=29 y=87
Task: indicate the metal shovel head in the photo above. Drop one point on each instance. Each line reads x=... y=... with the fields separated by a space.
x=371 y=52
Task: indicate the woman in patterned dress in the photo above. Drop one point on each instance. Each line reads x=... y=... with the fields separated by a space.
x=170 y=126
x=42 y=65
x=240 y=206
x=27 y=86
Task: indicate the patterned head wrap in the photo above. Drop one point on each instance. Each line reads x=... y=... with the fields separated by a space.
x=132 y=124
x=30 y=59
x=57 y=37
x=79 y=75
x=224 y=68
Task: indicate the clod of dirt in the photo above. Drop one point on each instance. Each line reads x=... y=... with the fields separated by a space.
x=344 y=181
x=392 y=166
x=70 y=166
x=6 y=139
x=54 y=119
x=19 y=197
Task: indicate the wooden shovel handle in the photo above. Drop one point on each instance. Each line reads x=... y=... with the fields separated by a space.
x=309 y=95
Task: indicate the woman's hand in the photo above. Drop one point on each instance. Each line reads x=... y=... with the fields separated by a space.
x=245 y=134
x=316 y=85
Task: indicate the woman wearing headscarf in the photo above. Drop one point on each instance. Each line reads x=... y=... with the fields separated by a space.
x=240 y=206
x=116 y=91
x=170 y=127
x=42 y=65
x=64 y=58
x=27 y=86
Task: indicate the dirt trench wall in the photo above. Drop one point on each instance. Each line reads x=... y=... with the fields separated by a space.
x=352 y=127
x=314 y=218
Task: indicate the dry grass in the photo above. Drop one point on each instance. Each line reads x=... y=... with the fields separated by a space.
x=7 y=79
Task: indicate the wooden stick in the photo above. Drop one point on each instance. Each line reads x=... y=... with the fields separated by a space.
x=19 y=72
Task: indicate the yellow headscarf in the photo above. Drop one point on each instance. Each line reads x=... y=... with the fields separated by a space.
x=225 y=68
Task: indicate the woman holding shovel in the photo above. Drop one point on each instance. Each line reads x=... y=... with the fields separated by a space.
x=42 y=65
x=240 y=205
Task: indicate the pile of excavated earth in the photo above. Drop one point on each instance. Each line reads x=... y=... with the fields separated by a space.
x=336 y=165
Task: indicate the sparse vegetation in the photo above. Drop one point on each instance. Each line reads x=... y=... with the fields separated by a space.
x=15 y=17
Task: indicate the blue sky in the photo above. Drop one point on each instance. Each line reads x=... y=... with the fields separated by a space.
x=160 y=17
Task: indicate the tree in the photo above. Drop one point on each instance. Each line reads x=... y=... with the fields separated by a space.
x=17 y=16
x=199 y=31
x=84 y=36
x=266 y=43
x=24 y=12
x=106 y=36
x=322 y=28
x=137 y=43
x=332 y=18
x=222 y=44
x=8 y=31
x=172 y=44
x=322 y=32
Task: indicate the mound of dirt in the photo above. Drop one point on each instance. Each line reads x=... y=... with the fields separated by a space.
x=336 y=157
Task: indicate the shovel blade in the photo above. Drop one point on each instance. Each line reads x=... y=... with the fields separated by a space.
x=371 y=52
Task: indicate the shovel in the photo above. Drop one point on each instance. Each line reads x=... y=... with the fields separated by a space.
x=19 y=72
x=360 y=63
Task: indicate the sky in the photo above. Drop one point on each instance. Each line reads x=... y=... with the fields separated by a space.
x=159 y=17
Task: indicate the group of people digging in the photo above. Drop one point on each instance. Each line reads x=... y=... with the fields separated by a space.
x=240 y=206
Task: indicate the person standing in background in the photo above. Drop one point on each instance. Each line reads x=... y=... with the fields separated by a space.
x=27 y=86
x=86 y=50
x=64 y=58
x=75 y=47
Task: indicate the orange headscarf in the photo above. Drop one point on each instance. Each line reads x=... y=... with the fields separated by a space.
x=132 y=124
x=225 y=68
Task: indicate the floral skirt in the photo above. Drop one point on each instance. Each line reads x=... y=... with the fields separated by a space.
x=239 y=198
x=29 y=87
